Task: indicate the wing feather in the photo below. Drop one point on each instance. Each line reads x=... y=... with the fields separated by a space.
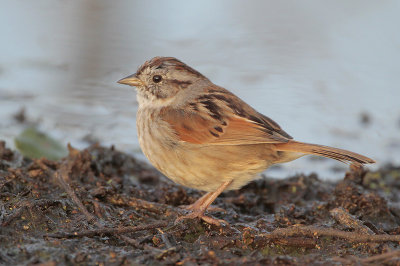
x=221 y=118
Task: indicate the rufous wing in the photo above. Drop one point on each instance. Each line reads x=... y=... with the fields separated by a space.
x=220 y=118
x=230 y=130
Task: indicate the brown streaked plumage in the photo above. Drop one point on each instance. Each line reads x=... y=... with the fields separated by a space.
x=202 y=136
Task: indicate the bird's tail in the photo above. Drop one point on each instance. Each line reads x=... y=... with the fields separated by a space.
x=326 y=151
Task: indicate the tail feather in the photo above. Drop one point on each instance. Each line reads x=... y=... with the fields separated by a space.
x=325 y=151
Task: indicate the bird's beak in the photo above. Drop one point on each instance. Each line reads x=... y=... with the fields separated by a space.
x=131 y=80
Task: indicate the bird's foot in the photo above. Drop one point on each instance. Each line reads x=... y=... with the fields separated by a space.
x=200 y=214
x=195 y=207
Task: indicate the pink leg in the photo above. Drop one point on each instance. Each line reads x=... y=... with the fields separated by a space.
x=200 y=206
x=198 y=203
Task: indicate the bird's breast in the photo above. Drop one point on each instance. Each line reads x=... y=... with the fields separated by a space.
x=199 y=166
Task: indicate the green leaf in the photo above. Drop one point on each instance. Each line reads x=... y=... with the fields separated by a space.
x=34 y=144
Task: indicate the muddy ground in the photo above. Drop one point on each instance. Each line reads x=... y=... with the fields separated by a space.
x=101 y=206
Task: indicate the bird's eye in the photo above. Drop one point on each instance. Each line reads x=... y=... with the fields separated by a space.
x=157 y=78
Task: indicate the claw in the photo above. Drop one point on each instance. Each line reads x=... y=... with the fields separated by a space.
x=202 y=216
x=192 y=207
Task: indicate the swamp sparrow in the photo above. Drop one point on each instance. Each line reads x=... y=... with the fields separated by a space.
x=203 y=136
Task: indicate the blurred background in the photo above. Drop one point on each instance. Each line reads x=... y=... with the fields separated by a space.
x=327 y=72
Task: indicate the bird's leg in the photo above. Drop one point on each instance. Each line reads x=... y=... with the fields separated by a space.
x=197 y=205
x=200 y=206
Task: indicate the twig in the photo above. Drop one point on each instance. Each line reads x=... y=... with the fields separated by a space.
x=109 y=231
x=312 y=231
x=382 y=257
x=373 y=260
x=140 y=204
x=130 y=241
x=303 y=242
x=97 y=209
x=296 y=242
x=63 y=176
x=28 y=205
x=165 y=239
x=13 y=216
x=138 y=244
x=165 y=253
x=345 y=218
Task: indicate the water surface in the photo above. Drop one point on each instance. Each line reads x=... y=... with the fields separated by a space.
x=316 y=68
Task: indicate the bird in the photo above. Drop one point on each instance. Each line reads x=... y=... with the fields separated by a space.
x=204 y=137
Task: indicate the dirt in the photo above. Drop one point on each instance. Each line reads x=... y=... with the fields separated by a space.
x=101 y=206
